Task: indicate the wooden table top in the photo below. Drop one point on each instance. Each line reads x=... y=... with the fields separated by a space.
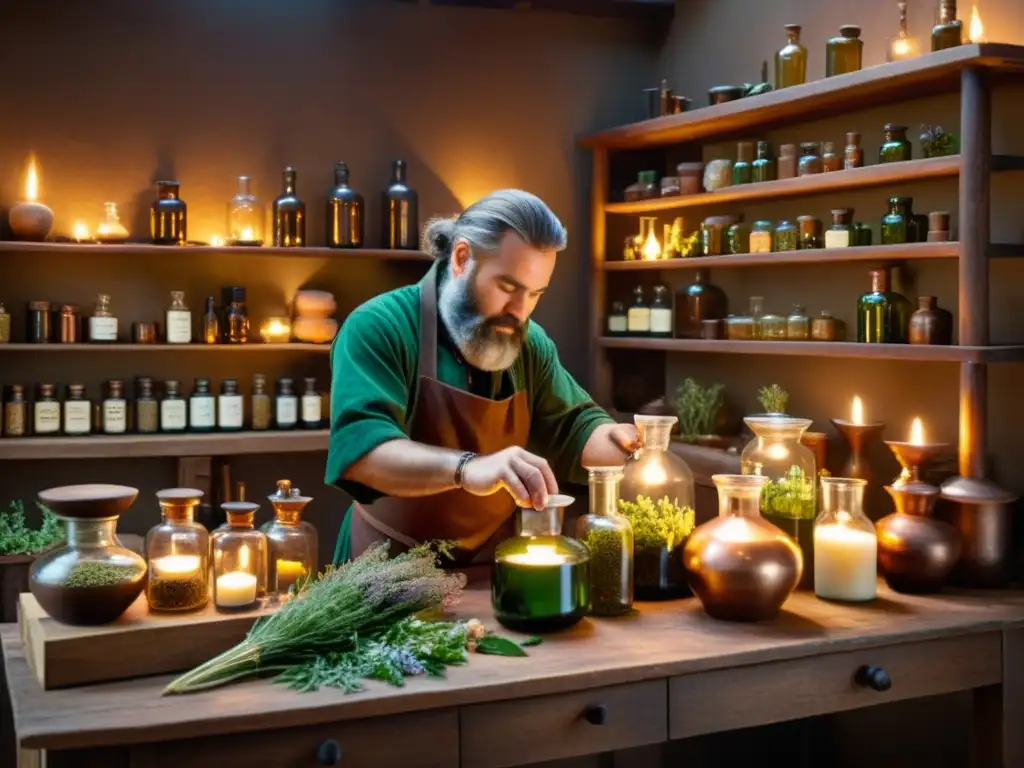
x=658 y=641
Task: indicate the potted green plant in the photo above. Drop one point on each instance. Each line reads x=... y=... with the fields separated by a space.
x=19 y=545
x=697 y=408
x=773 y=398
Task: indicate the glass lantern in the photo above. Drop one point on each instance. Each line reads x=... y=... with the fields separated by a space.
x=609 y=538
x=239 y=558
x=178 y=551
x=845 y=543
x=788 y=500
x=245 y=216
x=656 y=496
x=540 y=578
x=291 y=542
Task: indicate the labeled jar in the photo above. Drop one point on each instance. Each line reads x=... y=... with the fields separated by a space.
x=39 y=328
x=761 y=237
x=178 y=552
x=173 y=409
x=114 y=411
x=742 y=169
x=763 y=167
x=312 y=405
x=15 y=412
x=638 y=318
x=70 y=326
x=787 y=236
x=810 y=158
x=286 y=405
x=843 y=54
x=147 y=409
x=608 y=537
x=46 y=411
x=830 y=160
x=230 y=407
x=202 y=407
x=853 y=153
x=260 y=403
x=617 y=319
x=896 y=146
x=810 y=232
x=840 y=233
x=798 y=324
x=102 y=324
x=77 y=411
x=179 y=320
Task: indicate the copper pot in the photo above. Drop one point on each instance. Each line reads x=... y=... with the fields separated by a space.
x=983 y=513
x=740 y=566
x=916 y=553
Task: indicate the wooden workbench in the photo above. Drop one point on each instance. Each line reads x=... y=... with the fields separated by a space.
x=668 y=672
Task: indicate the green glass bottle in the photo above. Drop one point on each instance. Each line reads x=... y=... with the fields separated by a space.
x=861 y=233
x=791 y=60
x=742 y=169
x=896 y=146
x=883 y=316
x=763 y=167
x=843 y=54
x=897 y=224
x=948 y=33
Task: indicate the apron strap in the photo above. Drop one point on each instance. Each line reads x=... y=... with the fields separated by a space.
x=428 y=323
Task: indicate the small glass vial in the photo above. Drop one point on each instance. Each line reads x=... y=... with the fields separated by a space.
x=810 y=232
x=798 y=324
x=239 y=558
x=742 y=169
x=761 y=237
x=791 y=60
x=830 y=160
x=823 y=327
x=840 y=234
x=202 y=407
x=896 y=147
x=853 y=153
x=787 y=165
x=312 y=405
x=949 y=32
x=173 y=409
x=609 y=537
x=15 y=412
x=179 y=320
x=111 y=230
x=763 y=167
x=843 y=54
x=211 y=323
x=286 y=405
x=147 y=409
x=69 y=324
x=292 y=542
x=178 y=552
x=617 y=319
x=114 y=418
x=810 y=158
x=638 y=318
x=38 y=322
x=46 y=411
x=237 y=317
x=77 y=411
x=260 y=403
x=245 y=216
x=230 y=407
x=845 y=543
x=5 y=325
x=787 y=236
x=102 y=324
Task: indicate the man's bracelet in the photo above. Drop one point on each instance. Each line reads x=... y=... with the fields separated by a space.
x=464 y=459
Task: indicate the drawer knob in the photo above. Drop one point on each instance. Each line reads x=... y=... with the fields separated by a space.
x=329 y=752
x=596 y=715
x=875 y=678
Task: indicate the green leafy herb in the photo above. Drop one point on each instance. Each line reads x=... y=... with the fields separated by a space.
x=657 y=524
x=773 y=398
x=791 y=497
x=499 y=646
x=531 y=641
x=90 y=574
x=607 y=585
x=16 y=538
x=936 y=141
x=698 y=408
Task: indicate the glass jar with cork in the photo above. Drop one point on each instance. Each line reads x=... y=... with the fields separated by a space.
x=173 y=409
x=178 y=553
x=292 y=542
x=239 y=559
x=46 y=411
x=102 y=324
x=77 y=411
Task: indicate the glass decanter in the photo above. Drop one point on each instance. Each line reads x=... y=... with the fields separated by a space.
x=609 y=538
x=845 y=543
x=788 y=500
x=245 y=216
x=178 y=551
x=239 y=558
x=92 y=579
x=292 y=542
x=656 y=496
x=111 y=230
x=540 y=578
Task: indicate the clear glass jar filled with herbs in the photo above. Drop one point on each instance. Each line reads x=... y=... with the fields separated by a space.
x=810 y=232
x=761 y=233
x=896 y=147
x=292 y=542
x=791 y=60
x=798 y=324
x=609 y=538
x=773 y=327
x=810 y=158
x=178 y=551
x=763 y=167
x=737 y=238
x=843 y=53
x=742 y=169
x=787 y=236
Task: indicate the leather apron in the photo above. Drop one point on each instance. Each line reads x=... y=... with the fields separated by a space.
x=447 y=417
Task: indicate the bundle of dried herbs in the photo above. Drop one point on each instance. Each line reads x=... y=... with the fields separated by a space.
x=16 y=538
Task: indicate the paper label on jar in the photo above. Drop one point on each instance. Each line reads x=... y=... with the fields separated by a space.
x=617 y=324
x=837 y=238
x=47 y=418
x=229 y=411
x=179 y=327
x=172 y=415
x=287 y=411
x=638 y=320
x=115 y=417
x=201 y=412
x=311 y=409
x=102 y=329
x=77 y=417
x=661 y=320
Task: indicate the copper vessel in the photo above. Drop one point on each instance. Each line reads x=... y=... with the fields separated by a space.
x=856 y=435
x=916 y=552
x=930 y=324
x=740 y=566
x=982 y=512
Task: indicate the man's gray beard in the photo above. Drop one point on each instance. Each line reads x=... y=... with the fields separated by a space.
x=478 y=340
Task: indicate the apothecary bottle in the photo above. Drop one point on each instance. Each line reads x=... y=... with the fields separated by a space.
x=929 y=324
x=401 y=211
x=883 y=316
x=178 y=552
x=46 y=411
x=5 y=325
x=656 y=496
x=638 y=318
x=173 y=409
x=791 y=60
x=608 y=536
x=617 y=319
x=897 y=223
x=787 y=236
x=70 y=326
x=211 y=323
x=111 y=230
x=147 y=409
x=763 y=167
x=798 y=324
x=696 y=303
x=102 y=324
x=840 y=233
x=311 y=405
x=772 y=327
x=345 y=210
x=948 y=32
x=286 y=405
x=245 y=216
x=260 y=403
x=292 y=542
x=810 y=232
x=737 y=238
x=756 y=304
x=661 y=313
x=15 y=412
x=178 y=327
x=896 y=147
x=862 y=234
x=788 y=501
x=824 y=327
x=239 y=558
x=114 y=418
x=237 y=331
x=843 y=53
x=644 y=188
x=810 y=158
x=77 y=411
x=830 y=159
x=289 y=215
x=168 y=216
x=845 y=543
x=853 y=153
x=230 y=407
x=202 y=407
x=761 y=235
x=742 y=169
x=787 y=163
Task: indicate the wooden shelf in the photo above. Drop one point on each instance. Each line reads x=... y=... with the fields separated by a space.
x=848 y=349
x=322 y=349
x=819 y=183
x=869 y=87
x=143 y=446
x=145 y=249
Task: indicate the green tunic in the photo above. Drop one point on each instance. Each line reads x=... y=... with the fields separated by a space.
x=374 y=378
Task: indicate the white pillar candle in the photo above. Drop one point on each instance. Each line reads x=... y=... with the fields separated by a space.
x=235 y=589
x=845 y=562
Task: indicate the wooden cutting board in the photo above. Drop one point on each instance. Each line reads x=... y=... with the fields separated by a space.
x=138 y=644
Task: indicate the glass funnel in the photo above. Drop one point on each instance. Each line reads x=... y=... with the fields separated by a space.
x=245 y=216
x=292 y=542
x=92 y=579
x=239 y=558
x=845 y=544
x=540 y=578
x=609 y=538
x=740 y=566
x=788 y=500
x=178 y=551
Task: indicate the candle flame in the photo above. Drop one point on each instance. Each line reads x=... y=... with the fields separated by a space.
x=31 y=180
x=247 y=235
x=216 y=241
x=976 y=30
x=857 y=415
x=652 y=248
x=81 y=231
x=653 y=473
x=243 y=559
x=900 y=47
x=917 y=432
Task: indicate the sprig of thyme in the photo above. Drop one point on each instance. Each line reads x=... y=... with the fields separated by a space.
x=16 y=538
x=657 y=523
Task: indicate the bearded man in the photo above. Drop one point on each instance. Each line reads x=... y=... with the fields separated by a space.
x=449 y=407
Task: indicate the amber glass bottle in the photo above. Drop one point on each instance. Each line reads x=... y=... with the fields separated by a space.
x=948 y=33
x=344 y=212
x=289 y=215
x=401 y=211
x=791 y=60
x=843 y=53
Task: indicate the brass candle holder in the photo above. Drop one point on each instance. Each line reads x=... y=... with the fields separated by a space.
x=914 y=458
x=856 y=436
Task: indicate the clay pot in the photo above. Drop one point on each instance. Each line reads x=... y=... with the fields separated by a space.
x=916 y=553
x=929 y=324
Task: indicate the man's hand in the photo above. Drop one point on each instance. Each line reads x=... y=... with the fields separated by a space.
x=527 y=477
x=625 y=437
x=610 y=445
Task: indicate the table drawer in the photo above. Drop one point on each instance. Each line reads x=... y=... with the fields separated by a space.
x=513 y=733
x=421 y=740
x=721 y=700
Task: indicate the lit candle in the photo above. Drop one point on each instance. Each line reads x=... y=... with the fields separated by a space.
x=537 y=554
x=80 y=231
x=857 y=411
x=236 y=589
x=651 y=248
x=177 y=567
x=248 y=235
x=276 y=330
x=288 y=572
x=976 y=30
x=845 y=561
x=216 y=241
x=917 y=432
x=30 y=219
